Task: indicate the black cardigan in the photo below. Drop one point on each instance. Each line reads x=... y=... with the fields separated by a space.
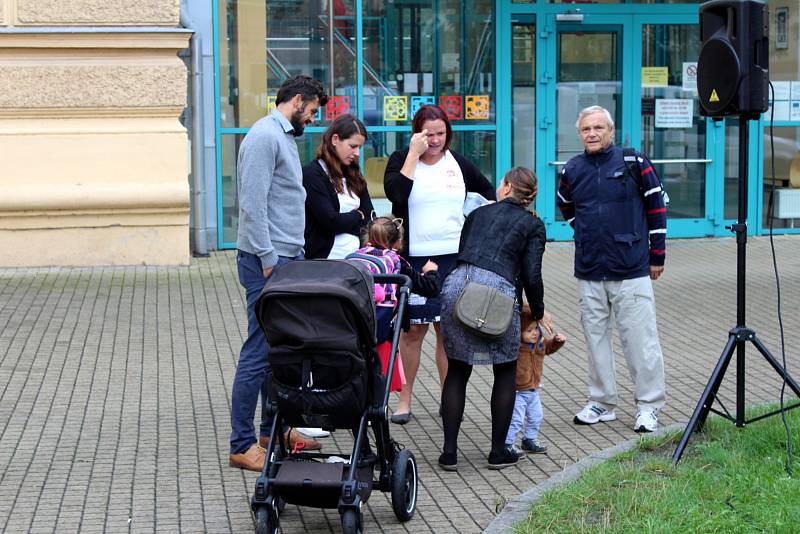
x=398 y=186
x=508 y=240
x=323 y=220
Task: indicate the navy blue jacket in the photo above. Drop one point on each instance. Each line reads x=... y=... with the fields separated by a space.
x=620 y=223
x=508 y=240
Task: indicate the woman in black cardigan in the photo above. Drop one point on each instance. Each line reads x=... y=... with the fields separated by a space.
x=337 y=201
x=427 y=185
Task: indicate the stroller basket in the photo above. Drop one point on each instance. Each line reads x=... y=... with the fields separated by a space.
x=319 y=320
x=317 y=484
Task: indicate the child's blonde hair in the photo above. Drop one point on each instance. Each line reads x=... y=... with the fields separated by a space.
x=385 y=231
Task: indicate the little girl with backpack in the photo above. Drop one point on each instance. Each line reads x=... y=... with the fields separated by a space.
x=381 y=255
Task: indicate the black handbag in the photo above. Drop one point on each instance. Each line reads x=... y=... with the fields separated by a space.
x=484 y=310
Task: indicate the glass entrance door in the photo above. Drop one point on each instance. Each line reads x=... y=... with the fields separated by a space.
x=587 y=58
x=642 y=69
x=671 y=131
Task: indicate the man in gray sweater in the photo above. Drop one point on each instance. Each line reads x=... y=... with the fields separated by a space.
x=271 y=225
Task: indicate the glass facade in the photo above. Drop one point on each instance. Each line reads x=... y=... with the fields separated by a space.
x=676 y=145
x=782 y=142
x=512 y=75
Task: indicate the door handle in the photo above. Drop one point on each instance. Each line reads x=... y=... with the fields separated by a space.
x=556 y=163
x=680 y=161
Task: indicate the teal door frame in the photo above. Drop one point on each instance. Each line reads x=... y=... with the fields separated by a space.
x=630 y=18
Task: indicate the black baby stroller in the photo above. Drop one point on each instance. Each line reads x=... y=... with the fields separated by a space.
x=319 y=319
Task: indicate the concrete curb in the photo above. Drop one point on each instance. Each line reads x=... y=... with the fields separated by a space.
x=518 y=508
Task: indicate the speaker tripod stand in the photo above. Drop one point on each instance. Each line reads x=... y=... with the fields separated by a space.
x=739 y=335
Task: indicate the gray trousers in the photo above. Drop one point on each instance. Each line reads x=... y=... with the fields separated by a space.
x=632 y=304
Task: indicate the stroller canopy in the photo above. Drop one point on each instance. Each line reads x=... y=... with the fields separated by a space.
x=316 y=304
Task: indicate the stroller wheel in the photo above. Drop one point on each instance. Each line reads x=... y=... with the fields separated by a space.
x=267 y=521
x=404 y=485
x=352 y=522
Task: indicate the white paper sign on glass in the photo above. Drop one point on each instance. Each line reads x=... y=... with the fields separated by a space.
x=783 y=90
x=794 y=111
x=674 y=112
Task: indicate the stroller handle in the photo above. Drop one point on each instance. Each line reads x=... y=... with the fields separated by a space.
x=400 y=279
x=382 y=412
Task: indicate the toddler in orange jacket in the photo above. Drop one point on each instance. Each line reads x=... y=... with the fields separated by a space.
x=538 y=338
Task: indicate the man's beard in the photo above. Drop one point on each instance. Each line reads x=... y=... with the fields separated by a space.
x=297 y=122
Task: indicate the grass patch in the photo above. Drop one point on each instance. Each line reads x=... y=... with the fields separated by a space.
x=729 y=480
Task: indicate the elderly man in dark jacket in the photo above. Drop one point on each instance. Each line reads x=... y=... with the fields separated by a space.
x=617 y=209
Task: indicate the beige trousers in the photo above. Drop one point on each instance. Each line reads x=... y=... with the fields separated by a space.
x=632 y=305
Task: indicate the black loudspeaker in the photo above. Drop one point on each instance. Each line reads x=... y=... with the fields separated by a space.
x=733 y=69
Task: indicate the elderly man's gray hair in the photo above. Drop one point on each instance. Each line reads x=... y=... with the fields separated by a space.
x=594 y=109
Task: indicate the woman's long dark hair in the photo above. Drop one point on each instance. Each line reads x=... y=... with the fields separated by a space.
x=345 y=126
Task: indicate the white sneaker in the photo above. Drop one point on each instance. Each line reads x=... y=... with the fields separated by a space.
x=593 y=413
x=646 y=421
x=313 y=432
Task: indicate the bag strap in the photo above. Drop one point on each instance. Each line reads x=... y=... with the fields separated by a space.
x=632 y=165
x=368 y=258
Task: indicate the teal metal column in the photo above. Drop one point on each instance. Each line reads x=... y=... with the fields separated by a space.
x=360 y=65
x=546 y=87
x=503 y=82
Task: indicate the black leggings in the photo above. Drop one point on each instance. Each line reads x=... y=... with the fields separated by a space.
x=454 y=395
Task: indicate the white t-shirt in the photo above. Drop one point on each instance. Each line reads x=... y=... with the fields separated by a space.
x=344 y=244
x=435 y=208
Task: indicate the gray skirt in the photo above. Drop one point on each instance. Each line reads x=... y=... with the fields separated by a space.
x=461 y=344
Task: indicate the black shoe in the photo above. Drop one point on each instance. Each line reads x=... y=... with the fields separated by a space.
x=448 y=461
x=533 y=446
x=506 y=458
x=401 y=418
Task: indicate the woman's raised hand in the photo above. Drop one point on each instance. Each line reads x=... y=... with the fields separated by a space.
x=419 y=143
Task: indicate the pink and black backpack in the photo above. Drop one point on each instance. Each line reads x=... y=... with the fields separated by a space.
x=380 y=261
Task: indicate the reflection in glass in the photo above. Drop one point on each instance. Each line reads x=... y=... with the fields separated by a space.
x=229 y=202
x=786 y=145
x=523 y=94
x=588 y=74
x=630 y=1
x=376 y=150
x=306 y=147
x=674 y=136
x=731 y=170
x=263 y=43
x=415 y=54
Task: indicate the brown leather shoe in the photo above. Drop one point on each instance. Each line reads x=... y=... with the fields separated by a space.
x=296 y=439
x=252 y=459
x=292 y=438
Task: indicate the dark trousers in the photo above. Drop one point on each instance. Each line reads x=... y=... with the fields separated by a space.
x=253 y=367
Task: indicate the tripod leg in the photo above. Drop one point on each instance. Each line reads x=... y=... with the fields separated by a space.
x=776 y=365
x=698 y=418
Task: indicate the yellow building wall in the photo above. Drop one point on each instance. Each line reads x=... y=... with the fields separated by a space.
x=95 y=162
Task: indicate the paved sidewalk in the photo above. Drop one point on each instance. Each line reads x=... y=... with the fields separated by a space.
x=115 y=393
